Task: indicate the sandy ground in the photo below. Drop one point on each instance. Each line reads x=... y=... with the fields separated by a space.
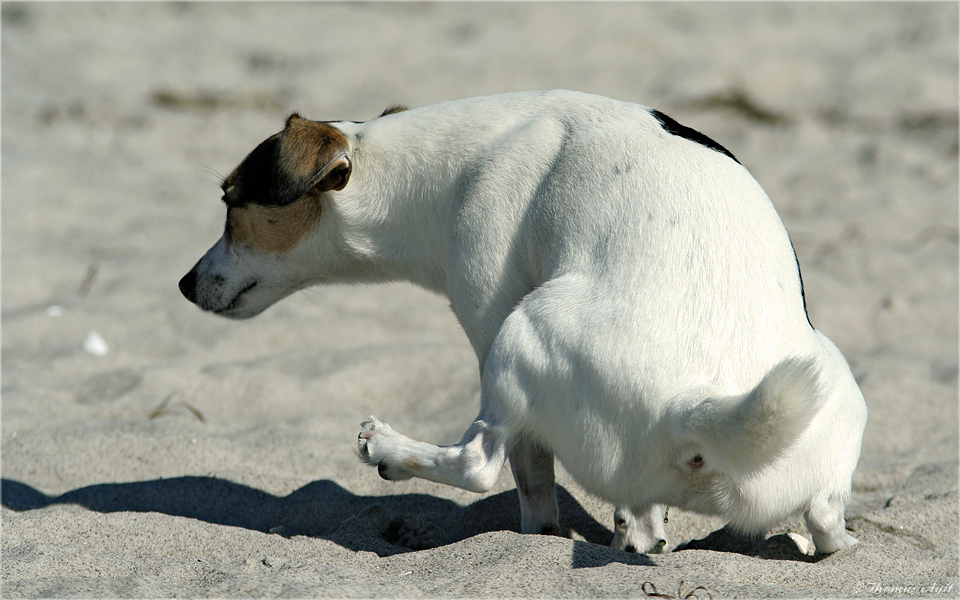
x=201 y=457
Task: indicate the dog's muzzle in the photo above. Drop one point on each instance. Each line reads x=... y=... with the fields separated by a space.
x=232 y=309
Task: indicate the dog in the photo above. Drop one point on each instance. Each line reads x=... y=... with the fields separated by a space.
x=633 y=299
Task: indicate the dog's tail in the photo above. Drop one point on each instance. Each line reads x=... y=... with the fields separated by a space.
x=742 y=434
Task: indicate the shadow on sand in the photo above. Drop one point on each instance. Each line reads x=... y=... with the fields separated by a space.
x=386 y=525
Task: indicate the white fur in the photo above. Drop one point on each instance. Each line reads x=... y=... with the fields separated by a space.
x=632 y=297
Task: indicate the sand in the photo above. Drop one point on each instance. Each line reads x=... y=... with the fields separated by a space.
x=152 y=450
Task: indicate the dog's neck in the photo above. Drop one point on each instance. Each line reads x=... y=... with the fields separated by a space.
x=395 y=210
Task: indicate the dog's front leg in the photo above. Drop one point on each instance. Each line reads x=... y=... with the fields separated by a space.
x=474 y=464
x=639 y=529
x=532 y=468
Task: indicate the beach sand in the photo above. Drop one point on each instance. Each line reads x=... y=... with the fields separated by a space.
x=152 y=450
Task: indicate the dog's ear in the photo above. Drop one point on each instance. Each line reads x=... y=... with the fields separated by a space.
x=310 y=156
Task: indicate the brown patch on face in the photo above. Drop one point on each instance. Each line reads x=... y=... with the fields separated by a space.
x=273 y=229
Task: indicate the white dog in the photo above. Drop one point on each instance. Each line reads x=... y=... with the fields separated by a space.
x=632 y=296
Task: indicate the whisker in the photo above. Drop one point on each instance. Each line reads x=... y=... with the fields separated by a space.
x=313 y=299
x=211 y=171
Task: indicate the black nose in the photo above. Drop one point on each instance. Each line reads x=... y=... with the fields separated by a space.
x=188 y=285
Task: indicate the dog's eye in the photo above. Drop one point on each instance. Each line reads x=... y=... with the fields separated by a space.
x=229 y=195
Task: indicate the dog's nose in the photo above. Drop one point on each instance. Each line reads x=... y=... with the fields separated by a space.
x=188 y=285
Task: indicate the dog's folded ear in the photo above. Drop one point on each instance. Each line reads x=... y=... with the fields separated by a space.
x=310 y=156
x=306 y=156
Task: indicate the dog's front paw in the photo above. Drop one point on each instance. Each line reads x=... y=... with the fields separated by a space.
x=375 y=444
x=370 y=451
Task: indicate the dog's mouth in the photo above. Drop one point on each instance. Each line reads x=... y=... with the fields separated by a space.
x=234 y=304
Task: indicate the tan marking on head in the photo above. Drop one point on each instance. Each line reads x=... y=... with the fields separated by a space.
x=273 y=229
x=309 y=148
x=412 y=464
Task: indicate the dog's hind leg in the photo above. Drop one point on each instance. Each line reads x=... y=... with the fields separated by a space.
x=532 y=468
x=474 y=464
x=639 y=529
x=825 y=521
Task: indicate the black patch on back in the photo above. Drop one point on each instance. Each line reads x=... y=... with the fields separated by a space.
x=803 y=296
x=693 y=135
x=393 y=109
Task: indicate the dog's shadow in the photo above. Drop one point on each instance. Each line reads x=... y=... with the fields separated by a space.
x=386 y=525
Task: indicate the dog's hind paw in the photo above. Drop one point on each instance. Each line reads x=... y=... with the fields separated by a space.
x=374 y=445
x=831 y=544
x=639 y=530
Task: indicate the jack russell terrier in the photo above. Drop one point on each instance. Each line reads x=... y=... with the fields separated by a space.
x=633 y=299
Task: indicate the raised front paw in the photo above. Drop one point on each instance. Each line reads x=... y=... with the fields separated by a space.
x=375 y=444
x=368 y=450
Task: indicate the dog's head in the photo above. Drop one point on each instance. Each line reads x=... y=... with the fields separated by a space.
x=275 y=213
